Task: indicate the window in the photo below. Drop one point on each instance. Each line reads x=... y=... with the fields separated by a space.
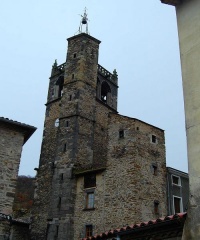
x=156 y=206
x=176 y=180
x=74 y=55
x=88 y=231
x=72 y=76
x=89 y=200
x=64 y=147
x=177 y=204
x=155 y=169
x=121 y=133
x=153 y=139
x=61 y=177
x=58 y=88
x=59 y=202
x=67 y=123
x=105 y=92
x=70 y=97
x=90 y=180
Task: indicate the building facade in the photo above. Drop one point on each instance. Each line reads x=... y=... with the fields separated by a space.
x=188 y=20
x=13 y=136
x=98 y=169
x=177 y=190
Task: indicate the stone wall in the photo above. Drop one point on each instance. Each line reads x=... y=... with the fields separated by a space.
x=10 y=152
x=126 y=192
x=45 y=172
x=87 y=140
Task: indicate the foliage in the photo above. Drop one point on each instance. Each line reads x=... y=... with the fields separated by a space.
x=24 y=193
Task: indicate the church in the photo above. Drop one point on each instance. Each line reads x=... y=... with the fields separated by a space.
x=97 y=169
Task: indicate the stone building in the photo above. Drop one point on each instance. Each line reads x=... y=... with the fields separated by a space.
x=13 y=135
x=188 y=20
x=98 y=169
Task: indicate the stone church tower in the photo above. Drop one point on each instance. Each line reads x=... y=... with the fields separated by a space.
x=97 y=169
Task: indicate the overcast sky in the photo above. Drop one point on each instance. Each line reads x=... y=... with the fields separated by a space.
x=138 y=38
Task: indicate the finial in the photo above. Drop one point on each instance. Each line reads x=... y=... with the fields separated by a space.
x=115 y=74
x=84 y=21
x=55 y=64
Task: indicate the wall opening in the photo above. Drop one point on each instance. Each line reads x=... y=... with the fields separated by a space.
x=105 y=92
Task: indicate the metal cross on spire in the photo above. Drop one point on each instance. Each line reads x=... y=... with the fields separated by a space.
x=84 y=21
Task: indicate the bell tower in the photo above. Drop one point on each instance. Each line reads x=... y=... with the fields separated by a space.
x=81 y=95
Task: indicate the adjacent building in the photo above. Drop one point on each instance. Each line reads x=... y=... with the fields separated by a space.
x=13 y=135
x=177 y=190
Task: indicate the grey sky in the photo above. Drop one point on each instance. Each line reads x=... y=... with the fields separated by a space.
x=139 y=39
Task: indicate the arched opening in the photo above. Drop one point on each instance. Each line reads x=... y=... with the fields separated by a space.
x=59 y=86
x=105 y=92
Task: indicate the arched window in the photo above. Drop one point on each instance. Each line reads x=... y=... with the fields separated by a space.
x=59 y=87
x=105 y=92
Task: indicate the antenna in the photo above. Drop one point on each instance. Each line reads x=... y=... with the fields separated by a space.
x=84 y=21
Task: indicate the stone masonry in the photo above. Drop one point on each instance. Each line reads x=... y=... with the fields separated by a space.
x=97 y=169
x=127 y=190
x=12 y=137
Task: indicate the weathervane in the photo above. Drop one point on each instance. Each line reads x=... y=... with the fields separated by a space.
x=84 y=21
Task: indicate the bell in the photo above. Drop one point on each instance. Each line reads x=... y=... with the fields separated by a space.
x=84 y=20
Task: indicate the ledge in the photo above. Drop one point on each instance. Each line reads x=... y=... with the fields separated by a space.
x=88 y=209
x=83 y=172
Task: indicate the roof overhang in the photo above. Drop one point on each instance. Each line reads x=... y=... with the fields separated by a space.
x=25 y=129
x=171 y=2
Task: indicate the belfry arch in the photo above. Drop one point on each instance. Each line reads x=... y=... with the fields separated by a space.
x=105 y=92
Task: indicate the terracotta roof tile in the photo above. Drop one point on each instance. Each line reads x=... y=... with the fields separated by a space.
x=114 y=232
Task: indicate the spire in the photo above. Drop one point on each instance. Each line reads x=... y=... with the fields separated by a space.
x=84 y=21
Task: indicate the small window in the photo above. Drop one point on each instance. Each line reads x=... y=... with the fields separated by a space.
x=121 y=133
x=72 y=76
x=61 y=177
x=177 y=203
x=59 y=202
x=74 y=55
x=90 y=180
x=176 y=180
x=88 y=231
x=57 y=122
x=153 y=139
x=155 y=169
x=70 y=97
x=64 y=147
x=67 y=123
x=138 y=128
x=89 y=200
x=156 y=207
